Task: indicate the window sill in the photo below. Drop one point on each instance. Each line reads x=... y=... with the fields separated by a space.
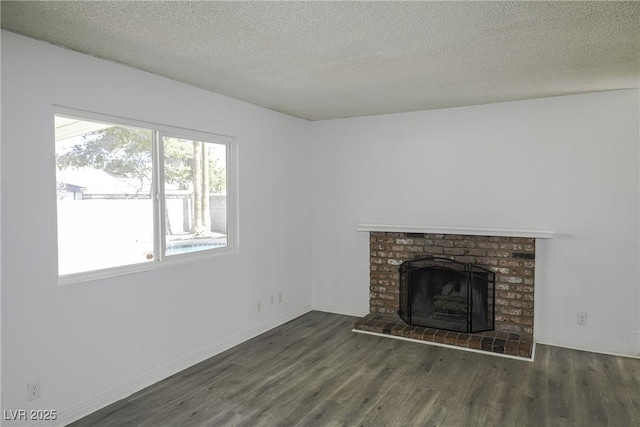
x=172 y=261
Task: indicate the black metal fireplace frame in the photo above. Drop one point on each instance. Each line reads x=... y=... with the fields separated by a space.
x=406 y=270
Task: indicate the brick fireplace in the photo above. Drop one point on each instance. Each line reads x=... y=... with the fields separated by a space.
x=512 y=259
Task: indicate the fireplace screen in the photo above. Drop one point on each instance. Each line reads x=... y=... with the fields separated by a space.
x=442 y=293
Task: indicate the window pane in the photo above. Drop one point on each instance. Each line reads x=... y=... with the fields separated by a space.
x=105 y=212
x=195 y=195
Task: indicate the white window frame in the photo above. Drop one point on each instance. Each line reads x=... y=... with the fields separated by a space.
x=159 y=240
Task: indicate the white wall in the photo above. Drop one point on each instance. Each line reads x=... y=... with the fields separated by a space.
x=567 y=163
x=92 y=343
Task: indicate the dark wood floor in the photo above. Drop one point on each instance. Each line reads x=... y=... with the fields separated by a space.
x=313 y=371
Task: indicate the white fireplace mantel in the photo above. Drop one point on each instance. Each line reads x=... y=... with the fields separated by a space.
x=469 y=231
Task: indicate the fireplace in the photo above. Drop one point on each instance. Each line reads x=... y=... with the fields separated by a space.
x=442 y=293
x=498 y=270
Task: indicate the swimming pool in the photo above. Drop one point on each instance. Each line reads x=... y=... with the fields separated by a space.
x=193 y=247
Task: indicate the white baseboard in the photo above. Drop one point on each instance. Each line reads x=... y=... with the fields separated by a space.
x=344 y=310
x=587 y=345
x=89 y=406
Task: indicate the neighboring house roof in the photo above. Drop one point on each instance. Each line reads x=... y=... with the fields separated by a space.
x=73 y=188
x=97 y=181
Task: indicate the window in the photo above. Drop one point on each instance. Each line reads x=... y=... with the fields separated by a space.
x=131 y=195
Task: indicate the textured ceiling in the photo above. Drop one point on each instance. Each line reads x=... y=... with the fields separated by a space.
x=324 y=60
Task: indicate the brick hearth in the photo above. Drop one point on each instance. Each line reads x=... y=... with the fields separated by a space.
x=491 y=341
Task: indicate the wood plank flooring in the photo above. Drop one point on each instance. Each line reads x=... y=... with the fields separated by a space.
x=313 y=371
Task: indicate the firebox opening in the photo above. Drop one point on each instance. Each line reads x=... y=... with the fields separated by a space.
x=442 y=293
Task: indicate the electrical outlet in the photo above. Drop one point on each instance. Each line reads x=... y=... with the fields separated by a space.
x=279 y=297
x=271 y=299
x=582 y=318
x=259 y=306
x=33 y=390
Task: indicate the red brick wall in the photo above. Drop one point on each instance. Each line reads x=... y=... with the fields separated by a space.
x=511 y=258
